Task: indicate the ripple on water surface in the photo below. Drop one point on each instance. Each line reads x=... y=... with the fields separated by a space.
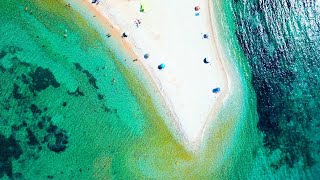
x=281 y=40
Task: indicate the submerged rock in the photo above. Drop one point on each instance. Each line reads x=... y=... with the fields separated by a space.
x=76 y=93
x=42 y=79
x=9 y=150
x=57 y=139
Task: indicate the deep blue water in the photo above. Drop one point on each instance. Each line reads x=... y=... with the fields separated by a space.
x=281 y=41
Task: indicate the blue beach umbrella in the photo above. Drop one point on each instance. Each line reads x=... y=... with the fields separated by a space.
x=216 y=90
x=161 y=66
x=146 y=56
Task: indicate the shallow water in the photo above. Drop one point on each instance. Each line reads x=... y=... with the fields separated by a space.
x=71 y=109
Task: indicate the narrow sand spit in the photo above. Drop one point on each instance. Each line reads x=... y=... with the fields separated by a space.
x=170 y=32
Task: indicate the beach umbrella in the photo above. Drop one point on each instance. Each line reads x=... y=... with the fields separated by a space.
x=144 y=6
x=161 y=66
x=216 y=90
x=206 y=61
x=141 y=8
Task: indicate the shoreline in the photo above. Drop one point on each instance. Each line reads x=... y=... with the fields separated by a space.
x=214 y=112
x=116 y=35
x=133 y=51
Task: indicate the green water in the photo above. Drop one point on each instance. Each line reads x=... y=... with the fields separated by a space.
x=280 y=40
x=71 y=107
x=67 y=110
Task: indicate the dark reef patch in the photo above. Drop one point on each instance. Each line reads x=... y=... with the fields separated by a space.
x=110 y=111
x=17 y=176
x=76 y=93
x=100 y=96
x=25 y=79
x=35 y=110
x=285 y=67
x=42 y=79
x=9 y=51
x=2 y=69
x=9 y=150
x=28 y=121
x=15 y=93
x=14 y=49
x=91 y=78
x=106 y=109
x=32 y=138
x=31 y=94
x=40 y=124
x=3 y=53
x=57 y=139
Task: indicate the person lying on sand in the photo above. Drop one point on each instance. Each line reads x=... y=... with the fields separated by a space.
x=124 y=35
x=95 y=2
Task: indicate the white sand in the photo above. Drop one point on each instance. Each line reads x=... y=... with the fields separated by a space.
x=172 y=34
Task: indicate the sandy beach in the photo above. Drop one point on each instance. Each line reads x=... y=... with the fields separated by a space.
x=172 y=33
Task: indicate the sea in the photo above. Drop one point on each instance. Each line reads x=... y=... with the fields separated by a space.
x=73 y=107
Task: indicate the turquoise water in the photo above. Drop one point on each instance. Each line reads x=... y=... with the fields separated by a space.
x=70 y=108
x=66 y=106
x=281 y=42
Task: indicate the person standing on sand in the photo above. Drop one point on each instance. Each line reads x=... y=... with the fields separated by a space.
x=137 y=22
